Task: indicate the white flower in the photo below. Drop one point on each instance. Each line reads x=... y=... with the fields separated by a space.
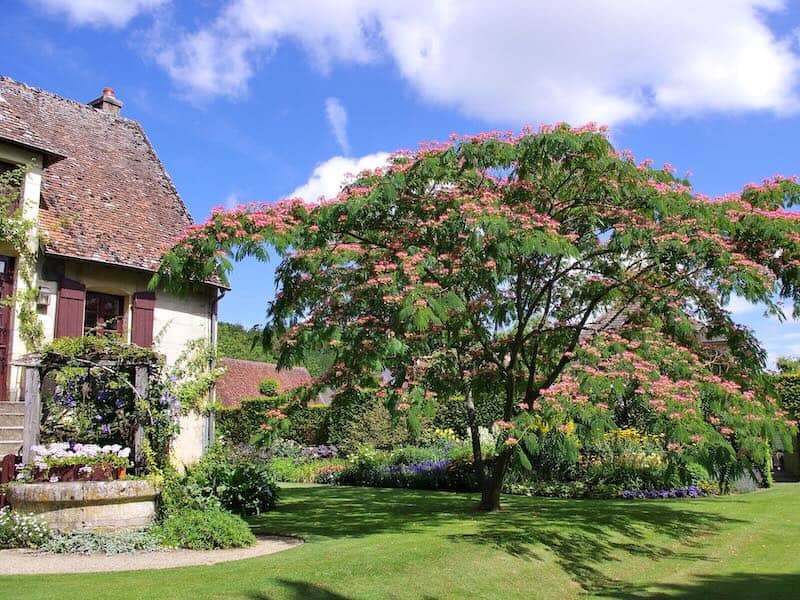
x=124 y=453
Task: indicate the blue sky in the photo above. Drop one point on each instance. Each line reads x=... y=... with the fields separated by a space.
x=258 y=99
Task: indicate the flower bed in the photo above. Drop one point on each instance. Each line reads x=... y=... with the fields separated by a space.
x=64 y=461
x=687 y=492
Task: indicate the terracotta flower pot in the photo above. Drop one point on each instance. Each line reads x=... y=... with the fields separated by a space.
x=102 y=473
x=121 y=473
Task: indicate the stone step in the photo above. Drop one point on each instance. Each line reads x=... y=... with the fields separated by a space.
x=12 y=408
x=11 y=433
x=9 y=448
x=12 y=420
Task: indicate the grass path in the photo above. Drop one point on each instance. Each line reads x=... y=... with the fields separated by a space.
x=378 y=543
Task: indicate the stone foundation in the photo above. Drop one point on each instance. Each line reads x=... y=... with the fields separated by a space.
x=88 y=505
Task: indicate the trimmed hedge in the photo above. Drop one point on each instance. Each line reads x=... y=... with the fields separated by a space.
x=452 y=414
x=307 y=425
x=237 y=425
x=362 y=420
x=788 y=388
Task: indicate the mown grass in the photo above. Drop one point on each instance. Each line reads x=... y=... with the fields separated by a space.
x=381 y=543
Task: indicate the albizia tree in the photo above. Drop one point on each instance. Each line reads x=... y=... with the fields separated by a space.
x=544 y=266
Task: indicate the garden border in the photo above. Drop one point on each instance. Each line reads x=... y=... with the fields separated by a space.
x=19 y=561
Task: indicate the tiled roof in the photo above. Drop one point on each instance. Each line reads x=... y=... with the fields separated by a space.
x=109 y=199
x=242 y=377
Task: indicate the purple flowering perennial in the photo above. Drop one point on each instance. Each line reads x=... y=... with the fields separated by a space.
x=688 y=492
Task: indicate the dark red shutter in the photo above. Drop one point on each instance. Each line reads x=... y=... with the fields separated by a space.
x=70 y=307
x=144 y=304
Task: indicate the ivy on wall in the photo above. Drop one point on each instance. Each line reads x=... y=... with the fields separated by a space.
x=20 y=233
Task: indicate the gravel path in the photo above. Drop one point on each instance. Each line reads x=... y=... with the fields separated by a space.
x=31 y=562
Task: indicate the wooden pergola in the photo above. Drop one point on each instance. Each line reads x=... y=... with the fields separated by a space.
x=36 y=366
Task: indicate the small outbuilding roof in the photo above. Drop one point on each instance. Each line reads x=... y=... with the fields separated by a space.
x=242 y=378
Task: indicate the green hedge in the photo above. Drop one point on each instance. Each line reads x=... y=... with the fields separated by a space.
x=237 y=425
x=452 y=414
x=788 y=387
x=308 y=425
x=362 y=419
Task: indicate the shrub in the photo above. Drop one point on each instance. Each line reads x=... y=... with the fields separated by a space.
x=204 y=530
x=287 y=469
x=285 y=448
x=268 y=387
x=143 y=540
x=410 y=455
x=241 y=479
x=20 y=530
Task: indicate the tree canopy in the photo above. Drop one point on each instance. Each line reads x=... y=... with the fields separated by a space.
x=547 y=265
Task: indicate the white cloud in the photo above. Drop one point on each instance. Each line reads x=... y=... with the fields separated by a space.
x=740 y=306
x=337 y=119
x=116 y=13
x=232 y=200
x=328 y=177
x=515 y=62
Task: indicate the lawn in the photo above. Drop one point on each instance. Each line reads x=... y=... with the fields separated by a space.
x=381 y=543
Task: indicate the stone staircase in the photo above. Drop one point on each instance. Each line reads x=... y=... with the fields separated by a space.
x=12 y=417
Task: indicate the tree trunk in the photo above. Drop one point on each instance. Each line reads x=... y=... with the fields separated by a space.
x=477 y=454
x=493 y=486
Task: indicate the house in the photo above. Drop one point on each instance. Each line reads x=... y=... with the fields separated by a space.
x=242 y=378
x=105 y=209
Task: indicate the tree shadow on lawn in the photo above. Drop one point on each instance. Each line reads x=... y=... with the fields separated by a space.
x=721 y=587
x=584 y=535
x=343 y=511
x=300 y=590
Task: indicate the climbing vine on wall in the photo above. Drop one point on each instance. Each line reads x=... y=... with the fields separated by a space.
x=20 y=233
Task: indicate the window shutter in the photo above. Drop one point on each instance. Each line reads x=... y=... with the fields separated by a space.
x=144 y=304
x=70 y=307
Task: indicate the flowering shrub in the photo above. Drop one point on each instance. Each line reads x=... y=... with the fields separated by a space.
x=626 y=457
x=19 y=530
x=66 y=461
x=329 y=474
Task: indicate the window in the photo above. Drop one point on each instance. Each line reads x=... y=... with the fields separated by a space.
x=10 y=186
x=103 y=314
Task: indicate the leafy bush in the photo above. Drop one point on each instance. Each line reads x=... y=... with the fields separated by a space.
x=268 y=387
x=410 y=455
x=241 y=479
x=20 y=530
x=628 y=458
x=296 y=471
x=318 y=452
x=143 y=540
x=564 y=489
x=204 y=530
x=285 y=448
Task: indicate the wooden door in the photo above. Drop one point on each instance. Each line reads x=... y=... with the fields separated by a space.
x=6 y=290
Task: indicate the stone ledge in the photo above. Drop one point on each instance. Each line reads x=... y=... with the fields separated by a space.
x=88 y=505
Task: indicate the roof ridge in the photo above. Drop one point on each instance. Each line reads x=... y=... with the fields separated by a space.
x=61 y=98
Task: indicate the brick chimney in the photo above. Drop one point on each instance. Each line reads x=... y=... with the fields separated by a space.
x=107 y=102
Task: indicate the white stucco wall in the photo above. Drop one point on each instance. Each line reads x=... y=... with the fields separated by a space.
x=31 y=192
